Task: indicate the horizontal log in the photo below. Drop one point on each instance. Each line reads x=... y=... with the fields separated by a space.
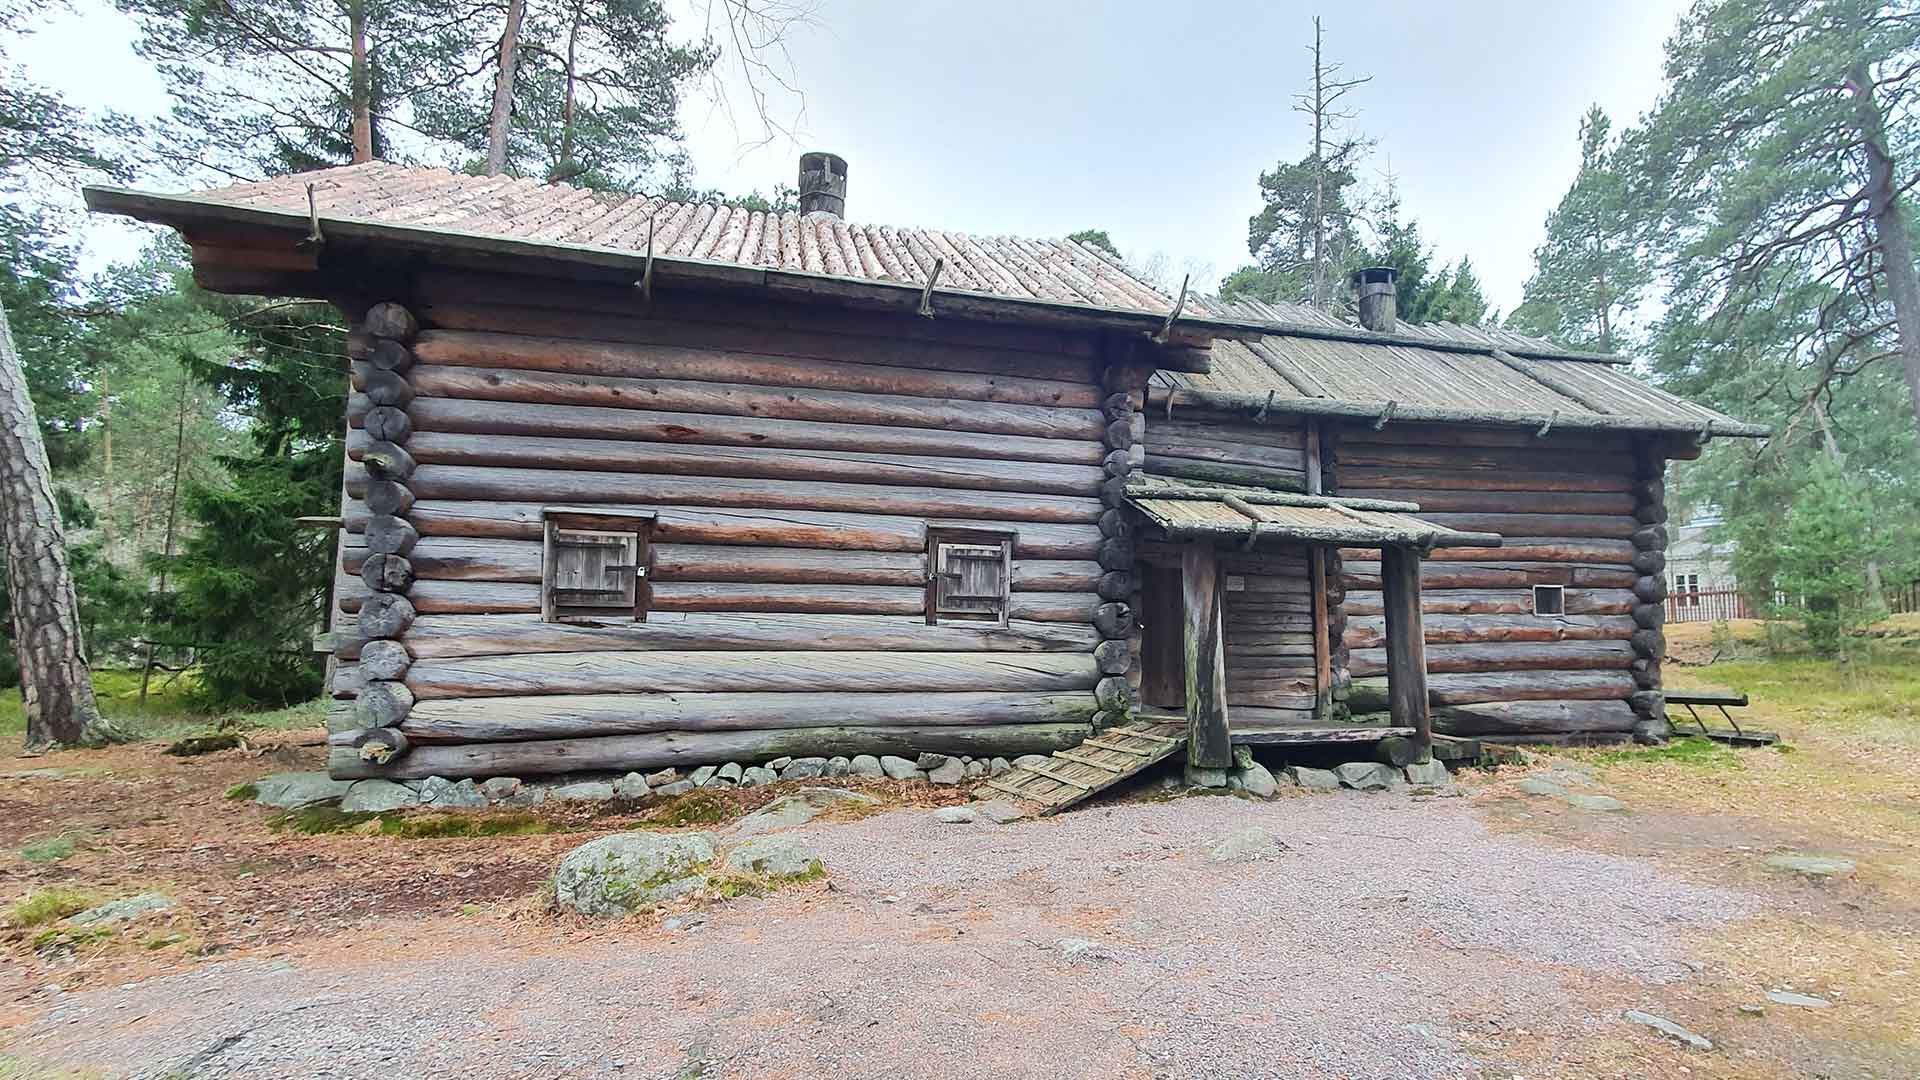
x=500 y=598
x=457 y=416
x=695 y=671
x=468 y=482
x=1369 y=694
x=1220 y=472
x=1519 y=478
x=1290 y=459
x=531 y=314
x=1506 y=656
x=453 y=558
x=615 y=753
x=504 y=719
x=1499 y=602
x=1290 y=700
x=766 y=367
x=621 y=456
x=1433 y=500
x=1358 y=575
x=1519 y=524
x=443 y=636
x=1476 y=458
x=1539 y=549
x=1455 y=435
x=1370 y=631
x=1533 y=717
x=803 y=329
x=731 y=399
x=1227 y=430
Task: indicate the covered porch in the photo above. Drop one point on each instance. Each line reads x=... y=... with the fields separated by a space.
x=1236 y=614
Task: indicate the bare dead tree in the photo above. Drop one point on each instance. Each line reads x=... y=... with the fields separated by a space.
x=1322 y=106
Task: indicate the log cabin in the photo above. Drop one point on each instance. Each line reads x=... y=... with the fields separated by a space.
x=634 y=483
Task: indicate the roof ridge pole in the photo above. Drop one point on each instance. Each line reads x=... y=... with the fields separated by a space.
x=1557 y=385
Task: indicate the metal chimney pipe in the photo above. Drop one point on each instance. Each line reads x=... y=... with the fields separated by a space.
x=1378 y=297
x=823 y=184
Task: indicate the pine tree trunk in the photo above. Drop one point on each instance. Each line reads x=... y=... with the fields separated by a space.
x=1890 y=227
x=497 y=124
x=46 y=625
x=360 y=84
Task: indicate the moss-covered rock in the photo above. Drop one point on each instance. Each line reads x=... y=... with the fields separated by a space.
x=617 y=875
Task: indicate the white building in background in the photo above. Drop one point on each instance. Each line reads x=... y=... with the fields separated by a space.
x=1696 y=563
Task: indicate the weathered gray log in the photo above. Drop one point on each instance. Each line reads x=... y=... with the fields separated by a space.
x=1112 y=657
x=1601 y=526
x=1115 y=585
x=863 y=467
x=1115 y=554
x=384 y=460
x=390 y=320
x=1649 y=616
x=1117 y=463
x=1651 y=513
x=1118 y=435
x=387 y=573
x=390 y=535
x=694 y=672
x=1469 y=459
x=1113 y=620
x=1650 y=643
x=614 y=753
x=1445 y=575
x=459 y=416
x=1113 y=523
x=1370 y=694
x=1500 y=601
x=1221 y=472
x=386 y=354
x=439 y=636
x=732 y=399
x=746 y=526
x=1533 y=717
x=574 y=715
x=384 y=423
x=1224 y=449
x=1209 y=743
x=1520 y=478
x=1650 y=562
x=1439 y=500
x=384 y=660
x=382 y=704
x=1113 y=695
x=1401 y=433
x=516 y=485
x=1650 y=589
x=388 y=497
x=1405 y=654
x=1370 y=631
x=380 y=746
x=575 y=357
x=1503 y=656
x=346 y=682
x=1651 y=538
x=385 y=615
x=385 y=387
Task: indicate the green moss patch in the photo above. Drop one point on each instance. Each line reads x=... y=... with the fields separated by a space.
x=317 y=820
x=425 y=826
x=698 y=807
x=206 y=743
x=47 y=905
x=52 y=849
x=1697 y=751
x=242 y=793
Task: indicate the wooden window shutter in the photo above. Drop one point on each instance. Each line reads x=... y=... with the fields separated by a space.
x=970 y=576
x=594 y=567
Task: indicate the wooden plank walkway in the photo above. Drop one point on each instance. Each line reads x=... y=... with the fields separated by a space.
x=1049 y=786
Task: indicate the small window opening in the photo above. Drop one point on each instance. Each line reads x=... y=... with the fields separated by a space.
x=969 y=575
x=1549 y=600
x=595 y=565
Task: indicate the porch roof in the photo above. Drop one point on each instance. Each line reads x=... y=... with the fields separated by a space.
x=1252 y=514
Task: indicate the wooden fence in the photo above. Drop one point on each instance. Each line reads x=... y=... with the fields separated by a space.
x=1708 y=605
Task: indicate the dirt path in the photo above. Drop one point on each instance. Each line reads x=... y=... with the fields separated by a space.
x=1393 y=938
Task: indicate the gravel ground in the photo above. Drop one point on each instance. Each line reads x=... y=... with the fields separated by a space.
x=1386 y=931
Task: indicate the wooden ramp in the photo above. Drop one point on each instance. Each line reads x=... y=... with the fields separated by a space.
x=1046 y=787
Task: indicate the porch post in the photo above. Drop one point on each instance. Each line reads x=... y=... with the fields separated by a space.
x=1406 y=644
x=1209 y=744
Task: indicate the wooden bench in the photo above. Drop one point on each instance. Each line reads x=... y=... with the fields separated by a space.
x=1722 y=700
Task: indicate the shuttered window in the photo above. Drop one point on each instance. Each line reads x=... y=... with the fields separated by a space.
x=970 y=573
x=594 y=566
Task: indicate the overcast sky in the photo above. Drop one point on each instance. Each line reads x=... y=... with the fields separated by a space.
x=1038 y=119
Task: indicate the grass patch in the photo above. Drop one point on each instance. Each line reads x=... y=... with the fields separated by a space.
x=242 y=793
x=429 y=826
x=317 y=820
x=1696 y=750
x=697 y=807
x=47 y=905
x=52 y=849
x=170 y=712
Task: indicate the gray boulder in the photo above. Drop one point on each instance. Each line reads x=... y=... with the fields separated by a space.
x=806 y=768
x=503 y=787
x=290 y=791
x=377 y=797
x=730 y=771
x=115 y=912
x=1206 y=778
x=930 y=762
x=866 y=765
x=664 y=776
x=1778 y=997
x=951 y=771
x=1429 y=773
x=1025 y=760
x=755 y=776
x=1815 y=866
x=1540 y=785
x=797 y=809
x=775 y=858
x=1670 y=1029
x=678 y=787
x=704 y=775
x=956 y=815
x=1256 y=780
x=1314 y=779
x=582 y=791
x=1000 y=811
x=620 y=874
x=999 y=767
x=976 y=768
x=837 y=766
x=899 y=768
x=1600 y=803
x=632 y=786
x=779 y=763
x=444 y=794
x=1368 y=776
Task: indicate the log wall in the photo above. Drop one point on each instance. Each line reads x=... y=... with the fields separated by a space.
x=794 y=458
x=1572 y=511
